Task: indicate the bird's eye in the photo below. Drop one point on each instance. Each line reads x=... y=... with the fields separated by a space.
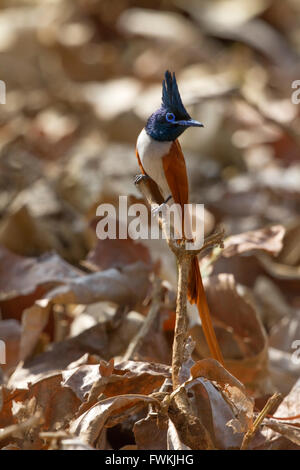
x=170 y=117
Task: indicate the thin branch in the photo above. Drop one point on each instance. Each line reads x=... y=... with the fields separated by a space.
x=181 y=325
x=135 y=344
x=273 y=400
x=184 y=259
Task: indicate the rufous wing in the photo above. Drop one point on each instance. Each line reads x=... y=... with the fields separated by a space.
x=176 y=175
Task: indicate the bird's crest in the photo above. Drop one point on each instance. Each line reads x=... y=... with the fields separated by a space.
x=171 y=97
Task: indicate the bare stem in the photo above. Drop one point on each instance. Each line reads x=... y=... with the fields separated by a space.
x=184 y=259
x=135 y=344
x=181 y=325
x=190 y=428
x=273 y=400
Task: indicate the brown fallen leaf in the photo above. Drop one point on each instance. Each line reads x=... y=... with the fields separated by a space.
x=69 y=353
x=107 y=413
x=285 y=268
x=126 y=287
x=268 y=239
x=290 y=406
x=288 y=431
x=272 y=303
x=38 y=221
x=284 y=372
x=56 y=404
x=173 y=439
x=24 y=279
x=227 y=400
x=126 y=378
x=10 y=333
x=151 y=433
x=212 y=408
x=118 y=253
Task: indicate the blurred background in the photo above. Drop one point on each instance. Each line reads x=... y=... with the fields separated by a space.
x=82 y=76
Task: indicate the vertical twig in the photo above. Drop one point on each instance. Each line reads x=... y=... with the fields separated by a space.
x=181 y=325
x=135 y=344
x=190 y=428
x=273 y=400
x=184 y=259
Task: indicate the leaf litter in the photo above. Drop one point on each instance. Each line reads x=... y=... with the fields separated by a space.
x=88 y=324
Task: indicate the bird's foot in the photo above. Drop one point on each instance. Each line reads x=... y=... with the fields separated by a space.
x=140 y=178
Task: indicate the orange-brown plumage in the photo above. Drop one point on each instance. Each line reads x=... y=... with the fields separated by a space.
x=175 y=171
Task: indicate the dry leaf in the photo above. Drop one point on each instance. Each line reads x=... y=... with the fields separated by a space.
x=90 y=425
x=268 y=239
x=173 y=440
x=126 y=287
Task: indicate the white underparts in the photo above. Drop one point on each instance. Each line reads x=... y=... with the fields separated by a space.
x=151 y=153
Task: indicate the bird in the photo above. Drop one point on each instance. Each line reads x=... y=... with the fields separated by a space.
x=162 y=162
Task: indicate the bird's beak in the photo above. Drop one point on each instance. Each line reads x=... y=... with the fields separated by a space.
x=190 y=123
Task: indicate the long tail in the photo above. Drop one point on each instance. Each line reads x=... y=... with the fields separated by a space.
x=197 y=296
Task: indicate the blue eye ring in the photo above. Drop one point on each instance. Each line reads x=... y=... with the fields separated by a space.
x=170 y=117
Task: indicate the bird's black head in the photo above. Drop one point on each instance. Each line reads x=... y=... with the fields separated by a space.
x=171 y=119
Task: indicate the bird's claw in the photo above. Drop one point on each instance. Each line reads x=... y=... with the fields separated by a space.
x=140 y=178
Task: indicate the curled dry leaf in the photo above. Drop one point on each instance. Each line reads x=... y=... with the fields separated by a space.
x=24 y=279
x=117 y=253
x=210 y=406
x=69 y=353
x=213 y=370
x=242 y=253
x=173 y=439
x=284 y=371
x=228 y=411
x=285 y=269
x=126 y=287
x=214 y=399
x=34 y=320
x=82 y=376
x=272 y=303
x=267 y=239
x=126 y=377
x=150 y=433
x=286 y=430
x=107 y=413
x=291 y=405
x=123 y=287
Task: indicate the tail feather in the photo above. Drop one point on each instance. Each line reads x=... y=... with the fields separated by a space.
x=197 y=296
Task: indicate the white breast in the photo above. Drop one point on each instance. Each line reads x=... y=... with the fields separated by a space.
x=151 y=152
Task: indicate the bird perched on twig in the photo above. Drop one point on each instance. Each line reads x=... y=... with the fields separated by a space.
x=161 y=159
